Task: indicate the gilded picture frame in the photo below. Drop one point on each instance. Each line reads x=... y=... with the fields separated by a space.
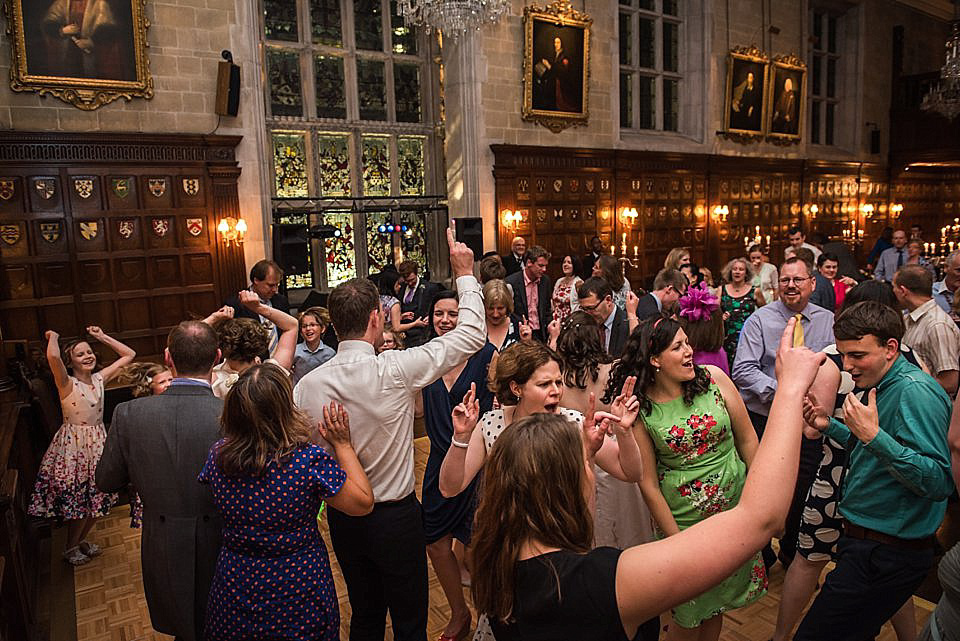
x=556 y=65
x=87 y=60
x=787 y=98
x=746 y=104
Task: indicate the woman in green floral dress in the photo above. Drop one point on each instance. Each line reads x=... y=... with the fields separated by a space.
x=738 y=299
x=696 y=434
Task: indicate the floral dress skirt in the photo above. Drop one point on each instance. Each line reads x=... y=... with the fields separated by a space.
x=701 y=474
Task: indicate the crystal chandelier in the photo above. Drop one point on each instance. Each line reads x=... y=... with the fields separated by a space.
x=452 y=17
x=945 y=97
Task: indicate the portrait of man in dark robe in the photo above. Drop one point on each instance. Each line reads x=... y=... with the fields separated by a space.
x=557 y=68
x=785 y=119
x=746 y=104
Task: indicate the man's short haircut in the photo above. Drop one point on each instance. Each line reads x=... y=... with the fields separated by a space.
x=795 y=230
x=193 y=348
x=350 y=304
x=491 y=268
x=914 y=278
x=869 y=318
x=793 y=260
x=405 y=268
x=599 y=287
x=535 y=253
x=670 y=278
x=262 y=267
x=806 y=255
x=825 y=256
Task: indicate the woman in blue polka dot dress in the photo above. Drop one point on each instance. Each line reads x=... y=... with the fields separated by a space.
x=273 y=577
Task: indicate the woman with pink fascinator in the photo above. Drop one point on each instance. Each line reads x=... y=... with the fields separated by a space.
x=702 y=320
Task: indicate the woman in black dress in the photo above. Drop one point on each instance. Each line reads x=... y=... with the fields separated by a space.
x=448 y=519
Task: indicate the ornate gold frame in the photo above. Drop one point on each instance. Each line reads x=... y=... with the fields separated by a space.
x=750 y=54
x=559 y=13
x=83 y=93
x=793 y=63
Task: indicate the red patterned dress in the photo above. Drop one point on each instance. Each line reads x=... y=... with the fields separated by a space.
x=701 y=474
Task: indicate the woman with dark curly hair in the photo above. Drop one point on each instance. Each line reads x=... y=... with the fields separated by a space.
x=699 y=438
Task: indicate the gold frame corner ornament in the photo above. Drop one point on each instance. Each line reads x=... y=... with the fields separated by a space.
x=87 y=94
x=561 y=14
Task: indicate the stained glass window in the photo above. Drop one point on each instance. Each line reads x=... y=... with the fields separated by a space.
x=404 y=37
x=290 y=165
x=414 y=240
x=371 y=89
x=331 y=100
x=280 y=20
x=376 y=165
x=379 y=250
x=340 y=254
x=368 y=24
x=410 y=165
x=334 y=163
x=325 y=22
x=406 y=84
x=283 y=69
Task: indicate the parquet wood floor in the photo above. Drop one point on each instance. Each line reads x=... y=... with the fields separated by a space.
x=110 y=605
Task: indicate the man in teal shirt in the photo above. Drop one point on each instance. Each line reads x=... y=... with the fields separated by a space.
x=896 y=487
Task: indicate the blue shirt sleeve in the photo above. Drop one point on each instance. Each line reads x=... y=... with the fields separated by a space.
x=326 y=473
x=748 y=374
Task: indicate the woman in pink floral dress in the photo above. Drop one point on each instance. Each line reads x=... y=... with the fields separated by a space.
x=565 y=300
x=65 y=487
x=696 y=434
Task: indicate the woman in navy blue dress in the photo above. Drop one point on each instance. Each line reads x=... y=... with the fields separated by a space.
x=448 y=519
x=273 y=577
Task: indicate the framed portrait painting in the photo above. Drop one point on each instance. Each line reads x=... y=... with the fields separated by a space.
x=788 y=88
x=745 y=107
x=556 y=70
x=85 y=52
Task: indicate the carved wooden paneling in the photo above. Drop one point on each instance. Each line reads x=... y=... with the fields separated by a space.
x=110 y=229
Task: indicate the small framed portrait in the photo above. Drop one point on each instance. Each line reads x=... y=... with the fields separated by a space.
x=85 y=52
x=788 y=88
x=556 y=71
x=745 y=105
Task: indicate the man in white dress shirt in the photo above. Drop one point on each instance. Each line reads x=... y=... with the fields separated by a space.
x=383 y=554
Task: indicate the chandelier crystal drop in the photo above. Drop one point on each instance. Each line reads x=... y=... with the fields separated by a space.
x=945 y=97
x=452 y=17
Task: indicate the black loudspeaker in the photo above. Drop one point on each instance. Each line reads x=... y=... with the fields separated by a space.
x=291 y=248
x=875 y=141
x=228 y=88
x=470 y=233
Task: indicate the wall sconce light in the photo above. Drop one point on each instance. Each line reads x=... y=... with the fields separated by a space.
x=511 y=219
x=232 y=230
x=867 y=209
x=896 y=209
x=814 y=210
x=629 y=215
x=720 y=213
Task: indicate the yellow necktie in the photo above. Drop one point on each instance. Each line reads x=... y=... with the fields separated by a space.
x=798 y=331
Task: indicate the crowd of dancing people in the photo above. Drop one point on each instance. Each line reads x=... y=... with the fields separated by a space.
x=600 y=455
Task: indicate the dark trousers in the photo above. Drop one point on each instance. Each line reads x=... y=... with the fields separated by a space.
x=811 y=451
x=383 y=557
x=870 y=583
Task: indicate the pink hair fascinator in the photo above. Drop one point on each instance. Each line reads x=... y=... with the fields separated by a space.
x=698 y=304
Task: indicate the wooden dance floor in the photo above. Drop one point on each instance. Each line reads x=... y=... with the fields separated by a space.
x=110 y=605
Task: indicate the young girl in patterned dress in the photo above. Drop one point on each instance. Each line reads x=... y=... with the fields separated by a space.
x=65 y=487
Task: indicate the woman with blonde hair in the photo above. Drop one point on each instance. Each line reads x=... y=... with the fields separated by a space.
x=677 y=258
x=268 y=479
x=503 y=327
x=738 y=299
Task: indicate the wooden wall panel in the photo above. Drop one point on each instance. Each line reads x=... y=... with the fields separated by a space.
x=115 y=230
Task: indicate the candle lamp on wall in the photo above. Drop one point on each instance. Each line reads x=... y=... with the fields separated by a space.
x=232 y=230
x=896 y=209
x=720 y=213
x=511 y=219
x=814 y=210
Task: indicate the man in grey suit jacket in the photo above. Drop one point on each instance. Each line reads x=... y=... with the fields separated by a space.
x=160 y=443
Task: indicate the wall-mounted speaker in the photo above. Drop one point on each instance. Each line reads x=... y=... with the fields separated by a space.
x=228 y=87
x=470 y=233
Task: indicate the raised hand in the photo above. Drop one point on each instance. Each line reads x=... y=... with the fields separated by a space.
x=625 y=407
x=814 y=415
x=594 y=434
x=249 y=299
x=421 y=322
x=406 y=316
x=96 y=332
x=525 y=331
x=633 y=301
x=51 y=336
x=461 y=256
x=224 y=312
x=465 y=415
x=335 y=426
x=796 y=366
x=553 y=329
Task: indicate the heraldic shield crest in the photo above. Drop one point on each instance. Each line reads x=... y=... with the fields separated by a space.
x=10 y=234
x=7 y=187
x=157 y=186
x=125 y=228
x=89 y=229
x=83 y=187
x=160 y=226
x=50 y=232
x=195 y=226
x=46 y=187
x=191 y=186
x=121 y=187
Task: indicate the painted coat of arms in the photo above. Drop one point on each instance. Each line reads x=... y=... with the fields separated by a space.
x=7 y=187
x=195 y=226
x=46 y=187
x=50 y=232
x=10 y=234
x=157 y=186
x=89 y=229
x=83 y=187
x=160 y=226
x=125 y=228
x=191 y=186
x=121 y=187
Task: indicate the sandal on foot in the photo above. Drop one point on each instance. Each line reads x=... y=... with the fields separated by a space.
x=90 y=549
x=74 y=556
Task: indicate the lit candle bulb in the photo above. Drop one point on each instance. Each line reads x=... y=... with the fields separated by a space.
x=951 y=246
x=746 y=242
x=768 y=240
x=926 y=248
x=636 y=251
x=859 y=234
